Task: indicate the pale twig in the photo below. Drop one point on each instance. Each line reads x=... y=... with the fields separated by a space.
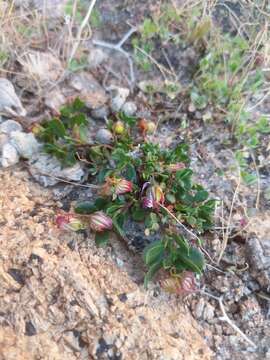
x=81 y=28
x=258 y=182
x=161 y=68
x=188 y=231
x=90 y=186
x=118 y=47
x=226 y=237
x=226 y=318
x=180 y=223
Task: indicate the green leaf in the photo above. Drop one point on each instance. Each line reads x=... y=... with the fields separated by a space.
x=102 y=238
x=114 y=208
x=201 y=196
x=100 y=203
x=153 y=252
x=78 y=119
x=57 y=128
x=118 y=226
x=180 y=240
x=149 y=29
x=138 y=214
x=171 y=198
x=202 y=29
x=130 y=173
x=193 y=260
x=95 y=19
x=78 y=105
x=129 y=120
x=153 y=269
x=199 y=101
x=86 y=207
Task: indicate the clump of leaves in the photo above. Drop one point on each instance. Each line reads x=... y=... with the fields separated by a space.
x=63 y=135
x=139 y=181
x=226 y=78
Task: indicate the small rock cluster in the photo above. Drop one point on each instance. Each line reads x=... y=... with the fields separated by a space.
x=16 y=144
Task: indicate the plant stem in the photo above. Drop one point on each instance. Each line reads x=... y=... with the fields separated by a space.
x=180 y=223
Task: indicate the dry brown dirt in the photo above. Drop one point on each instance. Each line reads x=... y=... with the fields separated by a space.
x=61 y=302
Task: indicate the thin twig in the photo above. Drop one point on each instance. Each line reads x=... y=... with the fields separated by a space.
x=161 y=68
x=180 y=223
x=118 y=47
x=82 y=26
x=226 y=237
x=90 y=186
x=258 y=182
x=226 y=318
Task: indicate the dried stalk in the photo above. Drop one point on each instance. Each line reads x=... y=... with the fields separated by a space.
x=226 y=318
x=81 y=28
x=118 y=47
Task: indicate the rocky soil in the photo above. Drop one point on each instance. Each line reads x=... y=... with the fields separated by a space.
x=62 y=298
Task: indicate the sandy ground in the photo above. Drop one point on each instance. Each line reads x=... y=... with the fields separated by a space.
x=76 y=302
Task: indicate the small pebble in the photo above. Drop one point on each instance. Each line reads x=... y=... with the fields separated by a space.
x=25 y=143
x=10 y=155
x=129 y=108
x=100 y=113
x=10 y=125
x=119 y=96
x=104 y=136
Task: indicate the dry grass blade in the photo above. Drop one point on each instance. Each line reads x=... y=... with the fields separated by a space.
x=80 y=30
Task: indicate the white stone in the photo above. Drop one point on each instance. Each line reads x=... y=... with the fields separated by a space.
x=119 y=96
x=55 y=100
x=209 y=312
x=104 y=136
x=10 y=125
x=100 y=113
x=3 y=140
x=88 y=89
x=10 y=155
x=10 y=104
x=199 y=308
x=48 y=170
x=129 y=108
x=26 y=144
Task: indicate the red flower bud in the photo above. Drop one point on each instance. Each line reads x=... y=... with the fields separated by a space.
x=181 y=285
x=99 y=222
x=147 y=203
x=154 y=196
x=123 y=186
x=114 y=186
x=68 y=222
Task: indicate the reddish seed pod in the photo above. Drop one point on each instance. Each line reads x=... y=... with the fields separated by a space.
x=154 y=197
x=99 y=221
x=123 y=186
x=114 y=186
x=182 y=285
x=142 y=125
x=68 y=222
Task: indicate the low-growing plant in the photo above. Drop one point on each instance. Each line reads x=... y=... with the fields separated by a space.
x=139 y=181
x=64 y=135
x=227 y=77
